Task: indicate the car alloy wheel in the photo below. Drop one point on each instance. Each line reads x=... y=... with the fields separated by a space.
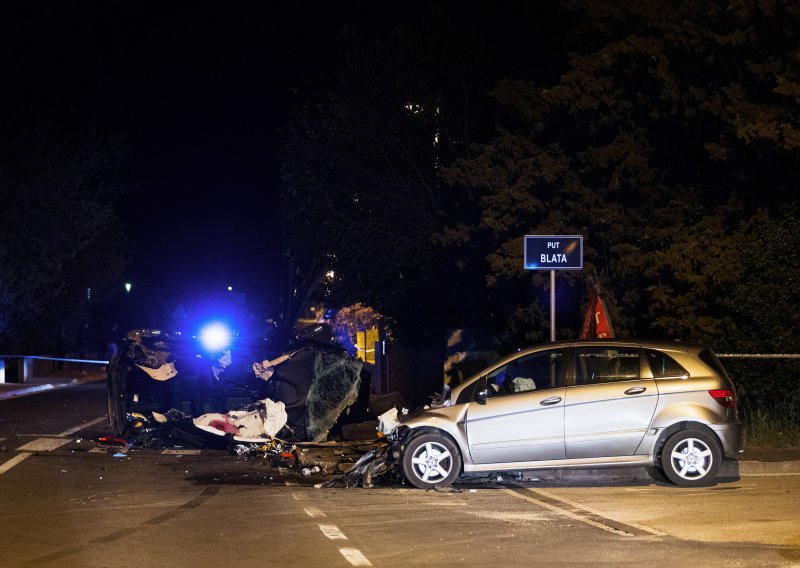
x=430 y=460
x=691 y=458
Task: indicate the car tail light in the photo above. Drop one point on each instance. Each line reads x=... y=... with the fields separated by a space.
x=725 y=397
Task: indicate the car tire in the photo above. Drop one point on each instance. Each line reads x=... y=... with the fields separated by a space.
x=656 y=473
x=116 y=395
x=431 y=460
x=691 y=458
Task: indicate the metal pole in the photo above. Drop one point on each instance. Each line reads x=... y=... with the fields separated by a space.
x=552 y=305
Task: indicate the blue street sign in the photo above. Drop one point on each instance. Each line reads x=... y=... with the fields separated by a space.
x=553 y=252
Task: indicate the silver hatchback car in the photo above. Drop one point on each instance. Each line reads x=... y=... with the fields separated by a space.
x=581 y=404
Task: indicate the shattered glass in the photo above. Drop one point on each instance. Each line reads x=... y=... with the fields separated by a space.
x=335 y=387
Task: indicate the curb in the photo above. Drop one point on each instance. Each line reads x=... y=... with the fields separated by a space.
x=731 y=470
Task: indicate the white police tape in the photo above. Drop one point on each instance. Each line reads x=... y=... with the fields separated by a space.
x=758 y=355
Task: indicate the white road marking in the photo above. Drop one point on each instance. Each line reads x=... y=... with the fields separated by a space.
x=332 y=532
x=561 y=511
x=174 y=452
x=314 y=512
x=43 y=445
x=355 y=557
x=295 y=497
x=644 y=528
x=768 y=474
x=98 y=450
x=71 y=431
x=19 y=458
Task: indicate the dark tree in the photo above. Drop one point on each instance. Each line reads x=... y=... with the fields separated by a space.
x=670 y=142
x=363 y=195
x=59 y=236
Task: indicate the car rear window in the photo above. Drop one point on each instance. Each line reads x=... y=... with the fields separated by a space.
x=662 y=365
x=708 y=357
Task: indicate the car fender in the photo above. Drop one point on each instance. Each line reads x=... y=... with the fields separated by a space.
x=670 y=418
x=448 y=419
x=691 y=411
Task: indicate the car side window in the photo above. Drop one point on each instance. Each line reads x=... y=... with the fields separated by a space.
x=595 y=365
x=662 y=365
x=538 y=371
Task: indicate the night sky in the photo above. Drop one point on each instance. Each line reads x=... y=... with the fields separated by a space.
x=197 y=93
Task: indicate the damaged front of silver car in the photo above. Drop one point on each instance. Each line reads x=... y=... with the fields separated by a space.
x=417 y=447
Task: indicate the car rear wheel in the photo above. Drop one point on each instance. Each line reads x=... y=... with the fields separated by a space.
x=117 y=411
x=431 y=460
x=691 y=458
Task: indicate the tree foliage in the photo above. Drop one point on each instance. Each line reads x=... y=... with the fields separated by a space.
x=58 y=231
x=362 y=193
x=670 y=143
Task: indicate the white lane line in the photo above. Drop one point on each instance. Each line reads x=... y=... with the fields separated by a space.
x=355 y=557
x=332 y=532
x=43 y=445
x=583 y=507
x=71 y=431
x=294 y=496
x=19 y=458
x=788 y=473
x=174 y=452
x=314 y=512
x=561 y=511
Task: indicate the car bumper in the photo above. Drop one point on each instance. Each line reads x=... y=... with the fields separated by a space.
x=732 y=437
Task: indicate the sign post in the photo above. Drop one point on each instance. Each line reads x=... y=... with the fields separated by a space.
x=553 y=252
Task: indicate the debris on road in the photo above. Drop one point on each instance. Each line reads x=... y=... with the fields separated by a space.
x=166 y=392
x=259 y=422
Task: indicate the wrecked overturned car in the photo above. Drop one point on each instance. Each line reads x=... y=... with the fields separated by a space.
x=239 y=391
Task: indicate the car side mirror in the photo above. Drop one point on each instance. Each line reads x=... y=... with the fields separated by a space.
x=481 y=396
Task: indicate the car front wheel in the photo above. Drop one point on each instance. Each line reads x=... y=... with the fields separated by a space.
x=431 y=460
x=691 y=458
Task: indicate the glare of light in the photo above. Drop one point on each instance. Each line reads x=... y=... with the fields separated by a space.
x=128 y=287
x=330 y=275
x=230 y=288
x=215 y=337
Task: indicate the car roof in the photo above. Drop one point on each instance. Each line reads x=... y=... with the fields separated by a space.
x=665 y=344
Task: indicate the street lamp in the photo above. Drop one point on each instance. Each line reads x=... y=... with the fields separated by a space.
x=128 y=287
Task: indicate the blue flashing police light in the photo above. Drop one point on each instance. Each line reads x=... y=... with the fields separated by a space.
x=215 y=337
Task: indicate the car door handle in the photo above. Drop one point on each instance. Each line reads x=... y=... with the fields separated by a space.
x=551 y=400
x=635 y=390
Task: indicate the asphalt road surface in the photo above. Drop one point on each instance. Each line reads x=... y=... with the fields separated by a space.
x=67 y=501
